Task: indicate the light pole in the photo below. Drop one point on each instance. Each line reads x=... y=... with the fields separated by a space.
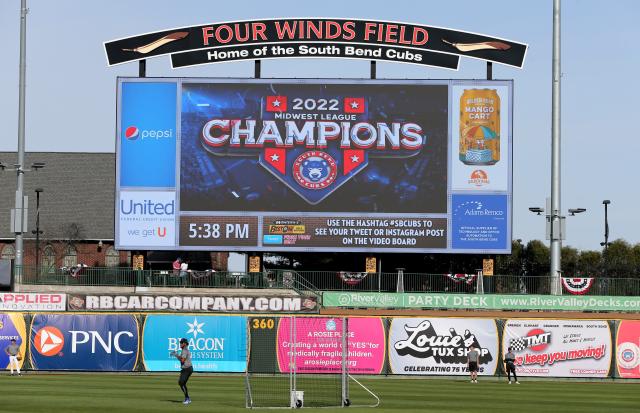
x=605 y=244
x=555 y=233
x=37 y=231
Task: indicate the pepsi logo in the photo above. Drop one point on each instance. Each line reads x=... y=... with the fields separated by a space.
x=49 y=341
x=131 y=133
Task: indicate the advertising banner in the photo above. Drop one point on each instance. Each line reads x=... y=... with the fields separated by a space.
x=84 y=342
x=628 y=349
x=193 y=303
x=559 y=348
x=315 y=165
x=439 y=346
x=318 y=345
x=33 y=302
x=478 y=301
x=217 y=343
x=12 y=327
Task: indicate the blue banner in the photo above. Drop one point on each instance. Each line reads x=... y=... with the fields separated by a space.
x=217 y=343
x=12 y=327
x=84 y=342
x=148 y=135
x=479 y=222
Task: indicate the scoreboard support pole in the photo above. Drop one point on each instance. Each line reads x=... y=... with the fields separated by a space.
x=142 y=68
x=489 y=70
x=373 y=69
x=256 y=69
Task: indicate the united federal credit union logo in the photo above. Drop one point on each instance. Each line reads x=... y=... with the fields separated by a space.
x=146 y=218
x=312 y=145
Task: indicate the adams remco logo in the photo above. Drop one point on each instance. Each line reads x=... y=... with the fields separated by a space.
x=132 y=133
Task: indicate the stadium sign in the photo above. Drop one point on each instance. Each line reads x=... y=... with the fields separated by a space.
x=628 y=349
x=32 y=302
x=315 y=37
x=217 y=343
x=84 y=342
x=193 y=303
x=12 y=327
x=559 y=348
x=314 y=165
x=439 y=346
x=482 y=302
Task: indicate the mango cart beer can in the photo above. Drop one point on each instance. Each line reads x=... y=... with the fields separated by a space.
x=479 y=127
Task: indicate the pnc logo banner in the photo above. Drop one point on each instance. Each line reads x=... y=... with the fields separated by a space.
x=217 y=343
x=84 y=342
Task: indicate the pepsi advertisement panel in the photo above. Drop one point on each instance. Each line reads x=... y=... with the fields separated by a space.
x=84 y=342
x=217 y=343
x=316 y=165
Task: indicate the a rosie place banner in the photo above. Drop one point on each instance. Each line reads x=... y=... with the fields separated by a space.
x=628 y=349
x=315 y=37
x=317 y=347
x=439 y=346
x=559 y=348
x=12 y=327
x=217 y=343
x=84 y=342
x=306 y=165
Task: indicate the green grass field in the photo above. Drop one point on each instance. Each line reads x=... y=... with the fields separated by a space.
x=116 y=393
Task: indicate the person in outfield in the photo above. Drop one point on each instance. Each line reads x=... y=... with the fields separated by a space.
x=473 y=357
x=510 y=366
x=186 y=368
x=13 y=351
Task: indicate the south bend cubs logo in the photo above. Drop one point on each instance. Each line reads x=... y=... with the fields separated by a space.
x=314 y=170
x=312 y=152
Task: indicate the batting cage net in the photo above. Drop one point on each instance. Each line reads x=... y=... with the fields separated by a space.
x=300 y=362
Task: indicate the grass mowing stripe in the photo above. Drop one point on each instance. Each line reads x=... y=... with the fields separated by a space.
x=96 y=393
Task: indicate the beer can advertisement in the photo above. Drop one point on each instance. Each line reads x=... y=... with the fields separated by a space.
x=628 y=349
x=310 y=165
x=217 y=343
x=12 y=327
x=559 y=348
x=440 y=346
x=315 y=345
x=481 y=130
x=84 y=342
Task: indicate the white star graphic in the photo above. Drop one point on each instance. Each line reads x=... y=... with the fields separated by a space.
x=354 y=105
x=355 y=158
x=276 y=103
x=195 y=327
x=275 y=158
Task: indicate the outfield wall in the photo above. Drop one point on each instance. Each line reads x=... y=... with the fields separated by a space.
x=378 y=345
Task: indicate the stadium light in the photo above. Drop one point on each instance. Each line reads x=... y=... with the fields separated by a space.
x=536 y=210
x=574 y=211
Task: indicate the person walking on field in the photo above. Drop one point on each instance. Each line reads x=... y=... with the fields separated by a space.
x=13 y=351
x=473 y=358
x=186 y=368
x=510 y=366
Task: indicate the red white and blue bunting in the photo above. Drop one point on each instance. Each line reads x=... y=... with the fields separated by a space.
x=467 y=278
x=352 y=278
x=577 y=286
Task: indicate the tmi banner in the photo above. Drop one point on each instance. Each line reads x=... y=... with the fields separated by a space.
x=146 y=218
x=84 y=342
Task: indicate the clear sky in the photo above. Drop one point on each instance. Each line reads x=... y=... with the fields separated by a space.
x=71 y=91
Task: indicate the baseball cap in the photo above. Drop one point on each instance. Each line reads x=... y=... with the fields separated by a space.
x=184 y=340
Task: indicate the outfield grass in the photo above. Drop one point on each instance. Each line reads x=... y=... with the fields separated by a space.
x=70 y=393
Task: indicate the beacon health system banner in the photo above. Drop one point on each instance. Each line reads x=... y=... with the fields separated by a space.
x=12 y=327
x=314 y=165
x=628 y=349
x=439 y=346
x=217 y=343
x=316 y=345
x=559 y=348
x=84 y=342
